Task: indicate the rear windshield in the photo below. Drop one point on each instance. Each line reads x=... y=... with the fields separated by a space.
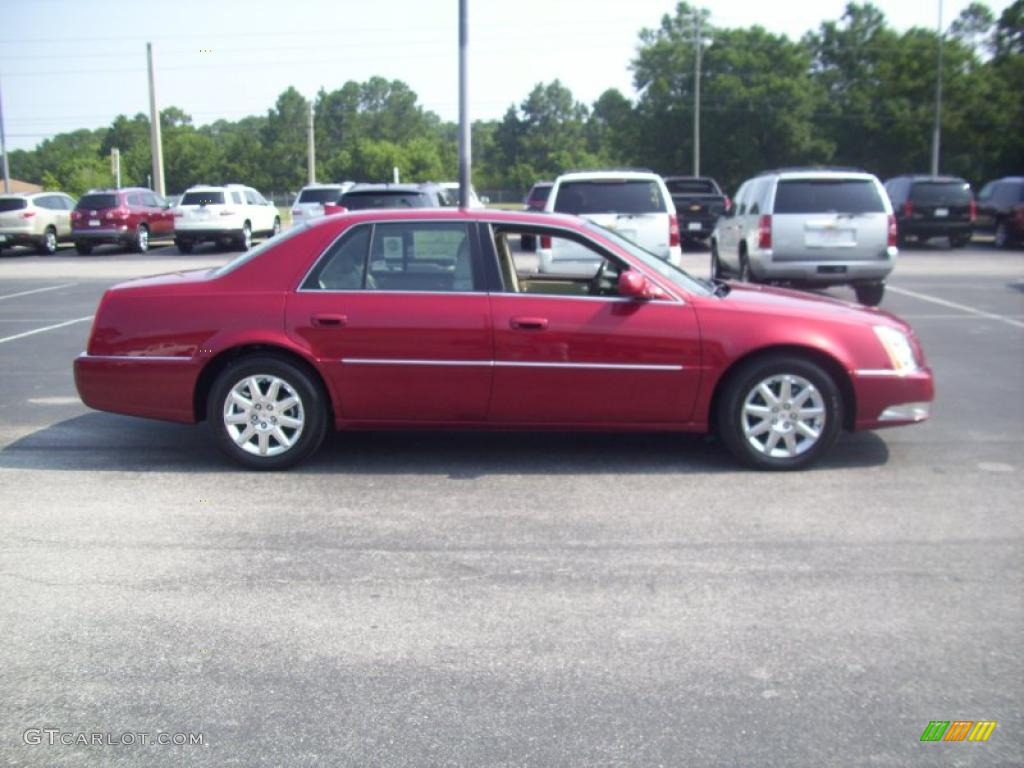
x=13 y=203
x=319 y=195
x=358 y=201
x=202 y=198
x=941 y=192
x=692 y=187
x=540 y=194
x=828 y=196
x=95 y=202
x=606 y=196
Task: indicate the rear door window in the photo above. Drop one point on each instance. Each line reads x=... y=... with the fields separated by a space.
x=609 y=196
x=359 y=201
x=13 y=203
x=828 y=196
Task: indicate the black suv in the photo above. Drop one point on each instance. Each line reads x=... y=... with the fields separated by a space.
x=363 y=196
x=1001 y=210
x=932 y=206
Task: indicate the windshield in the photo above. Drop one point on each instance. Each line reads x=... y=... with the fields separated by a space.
x=675 y=275
x=203 y=198
x=941 y=192
x=319 y=195
x=259 y=250
x=609 y=196
x=828 y=196
x=360 y=201
x=94 y=202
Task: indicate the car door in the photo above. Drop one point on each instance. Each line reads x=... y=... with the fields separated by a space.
x=566 y=356
x=393 y=313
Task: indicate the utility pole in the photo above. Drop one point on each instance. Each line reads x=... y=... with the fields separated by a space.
x=115 y=166
x=696 y=92
x=310 y=149
x=465 y=146
x=3 y=146
x=937 y=130
x=154 y=130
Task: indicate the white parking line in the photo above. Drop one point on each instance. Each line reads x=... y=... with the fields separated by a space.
x=954 y=305
x=36 y=290
x=44 y=330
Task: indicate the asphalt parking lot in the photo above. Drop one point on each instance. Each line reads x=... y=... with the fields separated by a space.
x=411 y=599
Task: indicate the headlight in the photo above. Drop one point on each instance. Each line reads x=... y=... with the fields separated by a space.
x=898 y=347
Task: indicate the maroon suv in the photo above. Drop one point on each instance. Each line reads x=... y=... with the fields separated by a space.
x=129 y=217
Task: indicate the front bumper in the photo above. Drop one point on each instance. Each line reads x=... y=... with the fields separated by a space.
x=887 y=399
x=153 y=387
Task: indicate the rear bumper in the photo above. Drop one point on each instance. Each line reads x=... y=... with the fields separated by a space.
x=887 y=399
x=153 y=387
x=110 y=235
x=199 y=233
x=696 y=227
x=935 y=228
x=822 y=272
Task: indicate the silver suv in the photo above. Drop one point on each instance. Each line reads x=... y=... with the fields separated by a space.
x=38 y=219
x=809 y=227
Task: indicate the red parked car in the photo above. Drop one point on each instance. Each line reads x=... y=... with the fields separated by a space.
x=129 y=217
x=419 y=318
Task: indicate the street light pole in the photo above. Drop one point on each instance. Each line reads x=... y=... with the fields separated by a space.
x=3 y=146
x=154 y=129
x=696 y=94
x=937 y=129
x=465 y=147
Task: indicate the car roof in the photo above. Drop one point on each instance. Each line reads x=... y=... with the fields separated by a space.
x=819 y=173
x=327 y=185
x=930 y=177
x=389 y=187
x=611 y=173
x=455 y=214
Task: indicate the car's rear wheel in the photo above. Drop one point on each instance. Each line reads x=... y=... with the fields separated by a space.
x=267 y=413
x=1002 y=239
x=746 y=275
x=83 y=247
x=717 y=272
x=870 y=295
x=140 y=243
x=779 y=413
x=183 y=246
x=48 y=243
x=245 y=239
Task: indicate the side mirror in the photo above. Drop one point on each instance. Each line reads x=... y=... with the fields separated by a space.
x=633 y=285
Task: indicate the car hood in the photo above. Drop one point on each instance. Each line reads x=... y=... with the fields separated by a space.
x=783 y=301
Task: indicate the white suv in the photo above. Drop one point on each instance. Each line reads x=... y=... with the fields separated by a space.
x=636 y=204
x=232 y=213
x=310 y=202
x=809 y=227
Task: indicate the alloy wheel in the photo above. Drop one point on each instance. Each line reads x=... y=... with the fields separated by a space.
x=783 y=416
x=264 y=415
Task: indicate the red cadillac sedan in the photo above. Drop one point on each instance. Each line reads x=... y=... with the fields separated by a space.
x=421 y=318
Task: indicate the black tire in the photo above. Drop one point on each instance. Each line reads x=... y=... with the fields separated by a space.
x=746 y=275
x=140 y=242
x=959 y=241
x=244 y=241
x=742 y=389
x=184 y=246
x=1002 y=238
x=311 y=410
x=47 y=245
x=870 y=295
x=717 y=271
x=276 y=230
x=83 y=247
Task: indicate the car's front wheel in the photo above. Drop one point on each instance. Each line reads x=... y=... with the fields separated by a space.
x=276 y=230
x=245 y=239
x=717 y=273
x=779 y=413
x=1002 y=239
x=48 y=243
x=267 y=413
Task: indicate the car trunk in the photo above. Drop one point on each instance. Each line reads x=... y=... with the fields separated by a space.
x=939 y=202
x=634 y=209
x=828 y=220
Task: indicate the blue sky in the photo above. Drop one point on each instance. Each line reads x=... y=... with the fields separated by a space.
x=67 y=65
